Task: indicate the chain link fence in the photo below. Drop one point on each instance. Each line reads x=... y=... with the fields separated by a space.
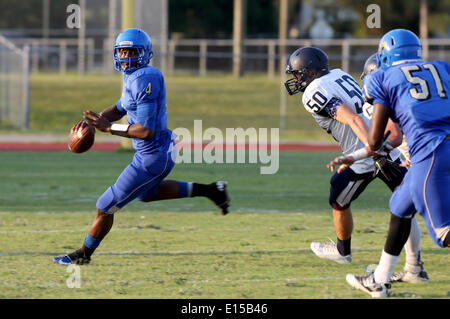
x=14 y=85
x=203 y=56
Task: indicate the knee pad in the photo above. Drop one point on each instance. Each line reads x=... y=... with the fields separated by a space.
x=107 y=201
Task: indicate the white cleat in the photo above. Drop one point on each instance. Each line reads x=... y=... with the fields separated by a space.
x=411 y=273
x=330 y=251
x=368 y=284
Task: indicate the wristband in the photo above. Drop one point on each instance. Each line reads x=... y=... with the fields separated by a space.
x=360 y=154
x=388 y=145
x=120 y=129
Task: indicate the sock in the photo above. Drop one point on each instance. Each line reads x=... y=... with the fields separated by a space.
x=201 y=189
x=88 y=248
x=412 y=246
x=184 y=189
x=385 y=268
x=398 y=233
x=344 y=246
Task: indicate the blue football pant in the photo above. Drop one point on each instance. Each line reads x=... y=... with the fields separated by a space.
x=139 y=180
x=426 y=189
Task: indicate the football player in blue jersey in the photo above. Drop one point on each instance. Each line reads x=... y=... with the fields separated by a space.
x=413 y=93
x=143 y=100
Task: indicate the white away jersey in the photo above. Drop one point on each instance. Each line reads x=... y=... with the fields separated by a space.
x=322 y=97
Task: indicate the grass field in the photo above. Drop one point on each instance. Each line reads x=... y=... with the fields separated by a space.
x=184 y=248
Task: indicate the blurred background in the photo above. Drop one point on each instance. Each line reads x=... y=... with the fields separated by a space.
x=223 y=60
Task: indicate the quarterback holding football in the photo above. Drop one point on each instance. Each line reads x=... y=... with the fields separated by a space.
x=143 y=100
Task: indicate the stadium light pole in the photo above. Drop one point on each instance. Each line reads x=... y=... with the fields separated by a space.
x=282 y=35
x=82 y=38
x=239 y=13
x=128 y=21
x=45 y=27
x=423 y=26
x=164 y=34
x=112 y=26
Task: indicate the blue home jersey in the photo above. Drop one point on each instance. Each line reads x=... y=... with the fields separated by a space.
x=417 y=93
x=144 y=101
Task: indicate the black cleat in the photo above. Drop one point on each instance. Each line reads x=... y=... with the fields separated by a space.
x=220 y=196
x=82 y=260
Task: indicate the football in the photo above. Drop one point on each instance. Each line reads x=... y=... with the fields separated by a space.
x=82 y=139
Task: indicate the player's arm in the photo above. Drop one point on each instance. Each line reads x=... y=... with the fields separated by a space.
x=380 y=119
x=346 y=116
x=395 y=137
x=112 y=113
x=125 y=130
x=374 y=92
x=385 y=145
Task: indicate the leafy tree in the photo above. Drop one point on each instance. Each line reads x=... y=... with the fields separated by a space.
x=214 y=19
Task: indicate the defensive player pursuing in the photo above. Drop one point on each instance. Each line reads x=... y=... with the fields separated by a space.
x=144 y=101
x=335 y=101
x=413 y=93
x=413 y=270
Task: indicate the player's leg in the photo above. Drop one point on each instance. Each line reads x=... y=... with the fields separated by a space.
x=343 y=225
x=414 y=271
x=447 y=240
x=171 y=189
x=345 y=187
x=99 y=229
x=402 y=209
x=377 y=284
x=136 y=179
x=431 y=186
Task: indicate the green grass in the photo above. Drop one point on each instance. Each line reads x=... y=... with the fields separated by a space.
x=184 y=248
x=222 y=101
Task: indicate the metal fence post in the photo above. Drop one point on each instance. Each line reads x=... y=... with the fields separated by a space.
x=26 y=86
x=107 y=56
x=203 y=57
x=35 y=61
x=90 y=55
x=345 y=55
x=171 y=64
x=271 y=59
x=62 y=57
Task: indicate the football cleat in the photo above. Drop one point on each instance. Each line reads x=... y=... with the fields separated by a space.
x=330 y=251
x=369 y=285
x=412 y=274
x=62 y=260
x=219 y=196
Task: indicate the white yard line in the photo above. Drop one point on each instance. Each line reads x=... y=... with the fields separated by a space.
x=175 y=253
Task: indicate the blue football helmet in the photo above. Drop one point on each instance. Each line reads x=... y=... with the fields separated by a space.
x=397 y=45
x=134 y=39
